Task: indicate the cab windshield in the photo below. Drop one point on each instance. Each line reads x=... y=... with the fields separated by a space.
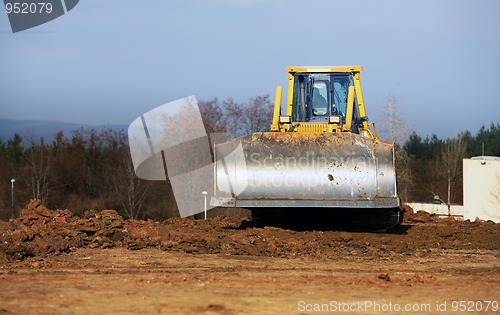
x=318 y=95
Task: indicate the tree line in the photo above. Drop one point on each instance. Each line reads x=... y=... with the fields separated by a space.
x=428 y=168
x=431 y=166
x=92 y=169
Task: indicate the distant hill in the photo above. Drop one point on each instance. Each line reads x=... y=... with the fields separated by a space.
x=43 y=128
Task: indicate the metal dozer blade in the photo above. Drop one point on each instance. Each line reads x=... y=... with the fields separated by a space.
x=309 y=171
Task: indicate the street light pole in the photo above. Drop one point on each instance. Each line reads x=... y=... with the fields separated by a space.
x=205 y=195
x=12 y=181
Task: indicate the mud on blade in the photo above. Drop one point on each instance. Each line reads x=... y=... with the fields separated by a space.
x=276 y=169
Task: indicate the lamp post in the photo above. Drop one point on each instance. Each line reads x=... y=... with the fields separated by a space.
x=204 y=193
x=12 y=181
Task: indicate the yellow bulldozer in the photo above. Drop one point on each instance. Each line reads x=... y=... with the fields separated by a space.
x=321 y=156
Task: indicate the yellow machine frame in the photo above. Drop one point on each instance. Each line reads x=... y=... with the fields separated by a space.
x=284 y=123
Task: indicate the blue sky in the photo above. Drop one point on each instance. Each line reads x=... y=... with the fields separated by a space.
x=107 y=62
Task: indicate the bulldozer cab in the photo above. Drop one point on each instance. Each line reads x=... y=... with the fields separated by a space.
x=322 y=99
x=317 y=96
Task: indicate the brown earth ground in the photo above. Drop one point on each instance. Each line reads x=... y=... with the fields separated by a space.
x=54 y=262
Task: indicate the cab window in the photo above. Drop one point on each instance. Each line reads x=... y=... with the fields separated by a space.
x=340 y=88
x=320 y=98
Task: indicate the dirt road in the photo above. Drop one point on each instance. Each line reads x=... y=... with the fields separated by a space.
x=52 y=262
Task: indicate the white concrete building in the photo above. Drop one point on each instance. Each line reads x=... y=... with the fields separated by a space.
x=482 y=188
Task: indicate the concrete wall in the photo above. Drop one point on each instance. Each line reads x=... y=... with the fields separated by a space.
x=482 y=188
x=438 y=209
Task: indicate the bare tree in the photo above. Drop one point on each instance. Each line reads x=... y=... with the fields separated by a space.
x=39 y=158
x=449 y=164
x=212 y=116
x=243 y=119
x=131 y=190
x=234 y=118
x=259 y=114
x=404 y=173
x=392 y=125
x=394 y=128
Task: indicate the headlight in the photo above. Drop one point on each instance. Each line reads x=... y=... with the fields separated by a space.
x=334 y=119
x=285 y=120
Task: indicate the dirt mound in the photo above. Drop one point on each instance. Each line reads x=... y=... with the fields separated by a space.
x=40 y=231
x=410 y=216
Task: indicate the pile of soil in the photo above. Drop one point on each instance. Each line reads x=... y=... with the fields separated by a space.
x=40 y=231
